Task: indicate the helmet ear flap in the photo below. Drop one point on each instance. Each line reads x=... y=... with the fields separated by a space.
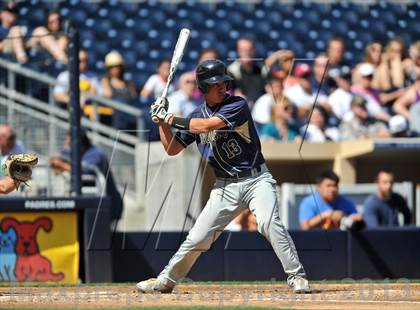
x=202 y=87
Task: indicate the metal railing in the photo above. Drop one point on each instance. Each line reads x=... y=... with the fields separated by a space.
x=42 y=125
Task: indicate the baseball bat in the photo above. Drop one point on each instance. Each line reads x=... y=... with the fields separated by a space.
x=180 y=47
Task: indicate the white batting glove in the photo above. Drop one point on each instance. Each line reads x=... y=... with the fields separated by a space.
x=159 y=114
x=161 y=101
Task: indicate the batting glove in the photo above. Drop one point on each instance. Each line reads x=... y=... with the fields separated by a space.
x=159 y=114
x=161 y=101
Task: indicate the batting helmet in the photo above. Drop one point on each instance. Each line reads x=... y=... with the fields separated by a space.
x=211 y=72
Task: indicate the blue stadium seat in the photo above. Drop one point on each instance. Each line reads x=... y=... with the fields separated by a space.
x=101 y=48
x=142 y=28
x=350 y=17
x=140 y=78
x=103 y=13
x=313 y=17
x=130 y=8
x=275 y=18
x=118 y=18
x=340 y=28
x=78 y=17
x=237 y=18
x=126 y=38
x=102 y=29
x=325 y=35
x=157 y=17
x=87 y=39
x=130 y=57
x=300 y=28
x=36 y=17
x=141 y=48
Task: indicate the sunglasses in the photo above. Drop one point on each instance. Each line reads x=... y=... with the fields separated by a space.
x=11 y=138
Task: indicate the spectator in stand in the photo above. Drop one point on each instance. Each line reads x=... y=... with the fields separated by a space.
x=9 y=143
x=357 y=124
x=328 y=209
x=316 y=131
x=398 y=126
x=373 y=55
x=383 y=207
x=408 y=105
x=249 y=81
x=11 y=35
x=92 y=157
x=262 y=110
x=411 y=64
x=116 y=87
x=364 y=88
x=279 y=65
x=89 y=82
x=390 y=71
x=182 y=102
x=319 y=80
x=335 y=53
x=300 y=94
x=156 y=83
x=282 y=128
x=339 y=100
x=208 y=54
x=50 y=38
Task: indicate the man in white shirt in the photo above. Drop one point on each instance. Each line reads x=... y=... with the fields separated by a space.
x=340 y=98
x=261 y=112
x=88 y=81
x=182 y=102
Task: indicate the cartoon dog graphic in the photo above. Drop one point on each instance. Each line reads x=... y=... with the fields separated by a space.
x=8 y=255
x=31 y=265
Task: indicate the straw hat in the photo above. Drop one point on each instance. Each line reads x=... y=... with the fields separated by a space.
x=113 y=59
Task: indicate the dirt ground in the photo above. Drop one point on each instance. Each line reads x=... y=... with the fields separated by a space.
x=358 y=295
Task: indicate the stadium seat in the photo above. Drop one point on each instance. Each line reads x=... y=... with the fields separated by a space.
x=78 y=17
x=147 y=30
x=36 y=17
x=118 y=18
x=130 y=57
x=127 y=38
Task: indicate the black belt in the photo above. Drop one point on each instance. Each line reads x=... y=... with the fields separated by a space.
x=240 y=175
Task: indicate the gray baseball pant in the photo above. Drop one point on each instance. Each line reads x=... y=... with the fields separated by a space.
x=225 y=203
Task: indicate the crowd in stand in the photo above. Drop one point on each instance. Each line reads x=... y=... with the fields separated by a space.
x=327 y=209
x=377 y=98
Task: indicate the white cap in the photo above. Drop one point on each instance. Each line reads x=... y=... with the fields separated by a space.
x=397 y=124
x=366 y=69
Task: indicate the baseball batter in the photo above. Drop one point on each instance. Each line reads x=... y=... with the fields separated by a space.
x=224 y=132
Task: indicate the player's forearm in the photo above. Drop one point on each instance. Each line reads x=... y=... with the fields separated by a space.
x=202 y=125
x=172 y=147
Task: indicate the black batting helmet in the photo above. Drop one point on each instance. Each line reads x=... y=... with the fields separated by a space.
x=211 y=72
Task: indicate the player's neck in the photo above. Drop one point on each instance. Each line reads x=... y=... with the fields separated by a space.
x=212 y=104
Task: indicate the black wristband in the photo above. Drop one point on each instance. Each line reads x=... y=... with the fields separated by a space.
x=181 y=123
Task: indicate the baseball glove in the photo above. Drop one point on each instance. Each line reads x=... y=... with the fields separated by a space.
x=19 y=167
